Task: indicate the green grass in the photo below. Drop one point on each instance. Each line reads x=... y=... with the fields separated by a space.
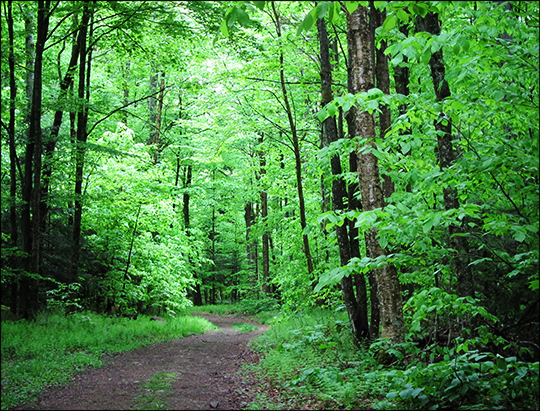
x=156 y=391
x=244 y=327
x=36 y=355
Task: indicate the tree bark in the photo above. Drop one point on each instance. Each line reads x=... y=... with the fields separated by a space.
x=31 y=189
x=356 y=305
x=360 y=43
x=264 y=221
x=50 y=144
x=82 y=120
x=12 y=153
x=157 y=131
x=11 y=131
x=382 y=78
x=446 y=155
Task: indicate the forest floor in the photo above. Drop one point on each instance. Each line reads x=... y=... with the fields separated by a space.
x=203 y=369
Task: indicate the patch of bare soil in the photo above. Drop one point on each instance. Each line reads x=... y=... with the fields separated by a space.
x=206 y=368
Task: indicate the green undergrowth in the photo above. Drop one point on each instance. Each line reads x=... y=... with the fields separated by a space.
x=310 y=357
x=51 y=349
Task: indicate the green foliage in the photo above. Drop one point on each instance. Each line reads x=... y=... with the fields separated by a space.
x=37 y=355
x=473 y=380
x=309 y=356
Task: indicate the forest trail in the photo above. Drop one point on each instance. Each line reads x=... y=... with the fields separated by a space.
x=205 y=369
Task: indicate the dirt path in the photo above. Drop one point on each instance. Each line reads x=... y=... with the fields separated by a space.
x=206 y=368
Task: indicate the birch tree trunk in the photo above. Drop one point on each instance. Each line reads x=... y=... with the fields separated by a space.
x=360 y=42
x=356 y=305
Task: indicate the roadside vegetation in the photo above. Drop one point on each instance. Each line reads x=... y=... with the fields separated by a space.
x=50 y=350
x=309 y=357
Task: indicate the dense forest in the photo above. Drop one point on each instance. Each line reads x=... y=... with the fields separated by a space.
x=379 y=157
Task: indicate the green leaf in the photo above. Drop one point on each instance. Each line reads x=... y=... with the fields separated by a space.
x=224 y=29
x=306 y=24
x=323 y=114
x=389 y=23
x=243 y=18
x=260 y=4
x=351 y=6
x=231 y=17
x=332 y=110
x=403 y=15
x=501 y=363
x=498 y=95
x=519 y=236
x=322 y=9
x=427 y=226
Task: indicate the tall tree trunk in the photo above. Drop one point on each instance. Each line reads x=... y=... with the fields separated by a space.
x=152 y=103
x=360 y=42
x=126 y=71
x=12 y=152
x=356 y=305
x=11 y=130
x=32 y=181
x=264 y=220
x=82 y=120
x=186 y=196
x=401 y=79
x=296 y=147
x=382 y=79
x=249 y=217
x=157 y=130
x=30 y=55
x=355 y=204
x=50 y=144
x=446 y=155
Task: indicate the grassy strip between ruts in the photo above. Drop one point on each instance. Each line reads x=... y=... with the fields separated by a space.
x=156 y=391
x=50 y=350
x=244 y=327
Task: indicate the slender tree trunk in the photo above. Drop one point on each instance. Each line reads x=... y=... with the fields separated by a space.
x=32 y=181
x=50 y=144
x=356 y=305
x=11 y=130
x=30 y=56
x=264 y=220
x=249 y=217
x=296 y=147
x=446 y=155
x=157 y=132
x=186 y=197
x=360 y=43
x=125 y=85
x=152 y=103
x=26 y=217
x=82 y=120
x=12 y=152
x=382 y=78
